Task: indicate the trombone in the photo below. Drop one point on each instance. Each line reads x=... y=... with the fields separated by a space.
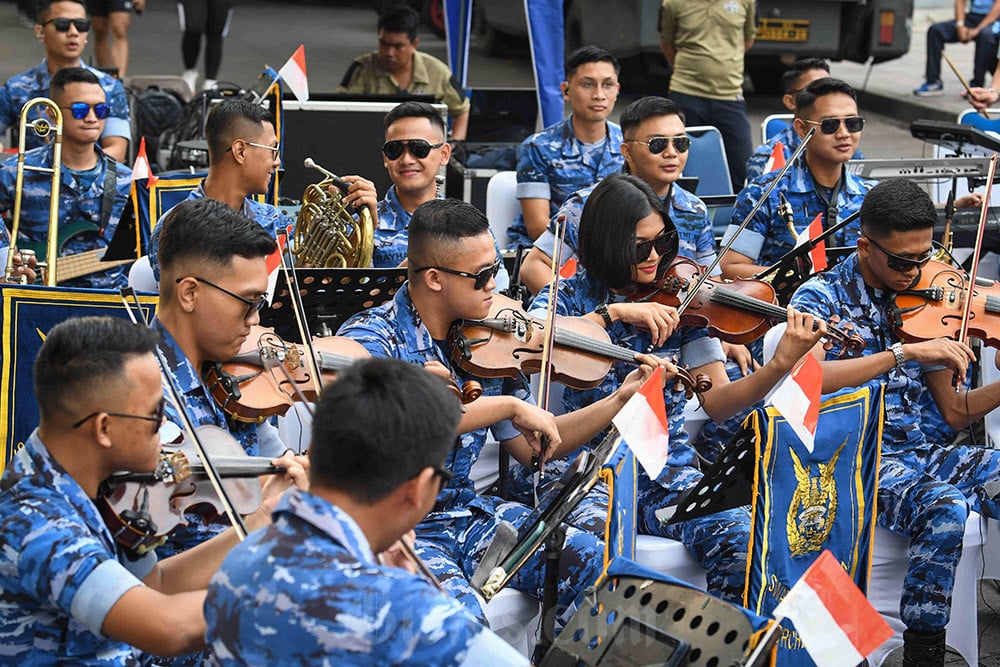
x=41 y=127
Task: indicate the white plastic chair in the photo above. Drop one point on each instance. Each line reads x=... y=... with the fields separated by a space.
x=502 y=205
x=140 y=276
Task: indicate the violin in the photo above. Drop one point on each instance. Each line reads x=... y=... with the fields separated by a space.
x=737 y=311
x=509 y=342
x=141 y=509
x=251 y=388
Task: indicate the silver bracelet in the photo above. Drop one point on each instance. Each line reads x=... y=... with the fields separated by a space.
x=897 y=352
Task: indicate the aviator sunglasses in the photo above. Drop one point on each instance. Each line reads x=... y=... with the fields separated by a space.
x=418 y=148
x=831 y=125
x=657 y=145
x=481 y=278
x=63 y=24
x=665 y=244
x=899 y=263
x=81 y=109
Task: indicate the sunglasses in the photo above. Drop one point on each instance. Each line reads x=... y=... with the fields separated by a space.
x=902 y=264
x=156 y=418
x=62 y=25
x=657 y=145
x=418 y=148
x=253 y=305
x=831 y=125
x=81 y=110
x=665 y=244
x=481 y=278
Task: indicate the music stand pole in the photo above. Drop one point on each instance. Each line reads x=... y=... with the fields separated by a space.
x=550 y=593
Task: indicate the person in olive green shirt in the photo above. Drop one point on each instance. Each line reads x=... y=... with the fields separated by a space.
x=397 y=67
x=705 y=41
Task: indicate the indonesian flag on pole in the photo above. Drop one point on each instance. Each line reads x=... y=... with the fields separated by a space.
x=777 y=159
x=274 y=263
x=797 y=399
x=140 y=168
x=568 y=269
x=837 y=624
x=642 y=422
x=294 y=74
x=818 y=254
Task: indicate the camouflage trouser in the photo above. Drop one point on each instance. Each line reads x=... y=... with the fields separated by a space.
x=591 y=515
x=714 y=436
x=452 y=548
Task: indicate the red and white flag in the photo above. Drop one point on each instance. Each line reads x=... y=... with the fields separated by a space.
x=274 y=263
x=777 y=159
x=818 y=254
x=568 y=269
x=642 y=422
x=294 y=74
x=140 y=168
x=797 y=399
x=837 y=624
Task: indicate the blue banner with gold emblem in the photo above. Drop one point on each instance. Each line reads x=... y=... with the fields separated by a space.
x=805 y=502
x=28 y=313
x=619 y=473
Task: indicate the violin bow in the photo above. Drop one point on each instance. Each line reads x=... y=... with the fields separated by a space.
x=298 y=307
x=175 y=396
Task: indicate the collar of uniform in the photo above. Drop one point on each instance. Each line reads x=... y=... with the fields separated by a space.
x=682 y=200
x=415 y=334
x=391 y=214
x=571 y=145
x=420 y=74
x=329 y=519
x=184 y=374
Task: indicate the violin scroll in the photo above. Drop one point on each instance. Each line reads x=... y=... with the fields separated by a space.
x=691 y=384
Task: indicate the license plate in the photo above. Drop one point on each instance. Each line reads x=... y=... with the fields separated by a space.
x=782 y=30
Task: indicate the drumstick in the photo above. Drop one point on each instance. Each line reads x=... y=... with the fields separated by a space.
x=968 y=91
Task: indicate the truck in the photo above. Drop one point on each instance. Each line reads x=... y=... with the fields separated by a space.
x=855 y=30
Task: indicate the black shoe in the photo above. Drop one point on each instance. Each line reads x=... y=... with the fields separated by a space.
x=923 y=649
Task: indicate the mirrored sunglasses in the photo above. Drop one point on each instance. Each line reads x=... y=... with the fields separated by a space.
x=418 y=148
x=80 y=110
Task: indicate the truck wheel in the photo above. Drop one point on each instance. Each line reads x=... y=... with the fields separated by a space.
x=433 y=16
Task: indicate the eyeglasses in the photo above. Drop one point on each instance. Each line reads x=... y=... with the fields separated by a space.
x=81 y=110
x=274 y=149
x=62 y=24
x=899 y=263
x=156 y=417
x=657 y=145
x=418 y=148
x=665 y=244
x=481 y=278
x=253 y=305
x=831 y=125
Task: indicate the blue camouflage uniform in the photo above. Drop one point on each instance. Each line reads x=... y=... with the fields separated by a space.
x=790 y=140
x=393 y=232
x=553 y=164
x=454 y=536
x=81 y=202
x=35 y=83
x=767 y=238
x=267 y=216
x=60 y=572
x=718 y=542
x=925 y=488
x=307 y=591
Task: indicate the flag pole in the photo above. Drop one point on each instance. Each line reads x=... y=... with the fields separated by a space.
x=765 y=644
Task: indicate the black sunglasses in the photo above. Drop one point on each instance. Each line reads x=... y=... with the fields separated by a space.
x=156 y=417
x=81 y=109
x=253 y=305
x=62 y=24
x=665 y=244
x=899 y=263
x=481 y=278
x=831 y=125
x=418 y=148
x=657 y=145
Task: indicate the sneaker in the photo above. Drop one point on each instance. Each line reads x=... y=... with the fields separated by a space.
x=930 y=89
x=208 y=85
x=190 y=77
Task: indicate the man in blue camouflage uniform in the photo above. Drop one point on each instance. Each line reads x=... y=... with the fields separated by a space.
x=926 y=488
x=451 y=261
x=93 y=188
x=793 y=81
x=62 y=28
x=68 y=593
x=573 y=153
x=380 y=436
x=719 y=542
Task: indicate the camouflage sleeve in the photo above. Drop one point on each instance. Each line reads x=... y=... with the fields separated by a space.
x=532 y=171
x=8 y=176
x=8 y=114
x=751 y=239
x=812 y=297
x=757 y=162
x=118 y=123
x=373 y=333
x=154 y=249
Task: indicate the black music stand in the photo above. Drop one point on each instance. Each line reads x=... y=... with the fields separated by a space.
x=330 y=297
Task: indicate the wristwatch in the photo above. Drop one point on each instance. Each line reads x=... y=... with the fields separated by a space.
x=897 y=351
x=602 y=310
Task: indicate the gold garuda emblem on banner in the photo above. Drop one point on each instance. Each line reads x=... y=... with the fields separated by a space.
x=814 y=505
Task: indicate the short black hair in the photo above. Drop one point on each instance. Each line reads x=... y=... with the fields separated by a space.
x=896 y=205
x=68 y=75
x=411 y=109
x=208 y=230
x=805 y=101
x=606 y=243
x=400 y=19
x=81 y=355
x=379 y=424
x=589 y=54
x=233 y=119
x=643 y=108
x=438 y=223
x=790 y=79
x=42 y=8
